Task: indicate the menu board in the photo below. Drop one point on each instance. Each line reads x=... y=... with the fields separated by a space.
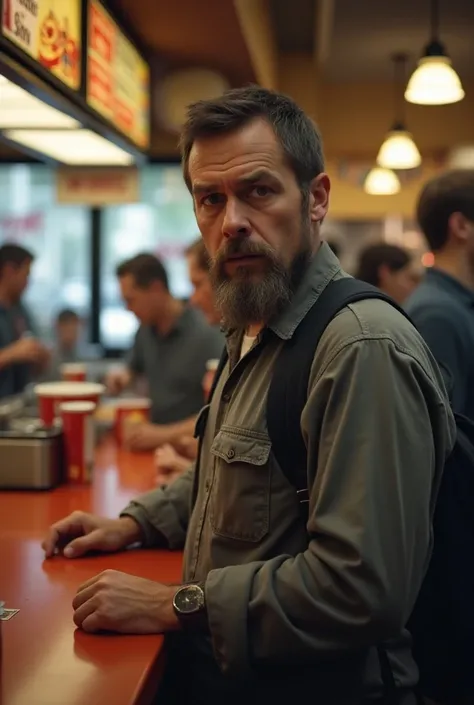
x=49 y=31
x=118 y=79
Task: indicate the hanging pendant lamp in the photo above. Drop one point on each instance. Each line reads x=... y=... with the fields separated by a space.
x=399 y=150
x=434 y=81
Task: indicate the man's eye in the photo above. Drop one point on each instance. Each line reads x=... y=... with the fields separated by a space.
x=212 y=199
x=260 y=191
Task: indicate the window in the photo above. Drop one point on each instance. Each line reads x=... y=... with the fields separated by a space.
x=59 y=237
x=162 y=223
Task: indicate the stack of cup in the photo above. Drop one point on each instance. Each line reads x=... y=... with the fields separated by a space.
x=52 y=394
x=78 y=429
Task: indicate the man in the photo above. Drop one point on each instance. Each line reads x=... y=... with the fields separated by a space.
x=68 y=332
x=172 y=461
x=21 y=354
x=171 y=348
x=443 y=306
x=390 y=268
x=275 y=609
x=203 y=296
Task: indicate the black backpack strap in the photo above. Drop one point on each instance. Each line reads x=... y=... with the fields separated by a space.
x=289 y=387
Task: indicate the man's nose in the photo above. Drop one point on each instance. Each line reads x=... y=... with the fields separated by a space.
x=235 y=224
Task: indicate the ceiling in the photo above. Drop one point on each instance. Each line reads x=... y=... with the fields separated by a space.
x=351 y=41
x=365 y=33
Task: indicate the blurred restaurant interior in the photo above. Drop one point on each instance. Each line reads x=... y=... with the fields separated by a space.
x=93 y=94
x=347 y=68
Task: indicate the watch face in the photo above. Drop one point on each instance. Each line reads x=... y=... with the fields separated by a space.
x=189 y=599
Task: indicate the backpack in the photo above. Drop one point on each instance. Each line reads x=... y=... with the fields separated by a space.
x=442 y=622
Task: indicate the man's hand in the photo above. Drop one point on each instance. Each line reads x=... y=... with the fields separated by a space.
x=80 y=533
x=119 y=602
x=27 y=350
x=143 y=436
x=117 y=380
x=169 y=464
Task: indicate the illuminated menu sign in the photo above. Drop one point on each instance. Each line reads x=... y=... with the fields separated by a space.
x=118 y=79
x=49 y=31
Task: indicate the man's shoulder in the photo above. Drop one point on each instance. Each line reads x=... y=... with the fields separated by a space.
x=429 y=301
x=377 y=321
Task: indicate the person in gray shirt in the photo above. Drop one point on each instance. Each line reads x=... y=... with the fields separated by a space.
x=21 y=353
x=170 y=351
x=442 y=307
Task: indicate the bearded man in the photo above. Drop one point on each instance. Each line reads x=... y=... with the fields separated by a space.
x=271 y=607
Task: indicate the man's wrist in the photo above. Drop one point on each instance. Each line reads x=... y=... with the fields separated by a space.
x=164 y=612
x=132 y=530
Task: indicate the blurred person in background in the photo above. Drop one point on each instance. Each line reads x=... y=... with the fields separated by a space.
x=390 y=268
x=171 y=348
x=443 y=305
x=68 y=333
x=173 y=461
x=22 y=355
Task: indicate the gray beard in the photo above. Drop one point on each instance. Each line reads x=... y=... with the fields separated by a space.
x=247 y=299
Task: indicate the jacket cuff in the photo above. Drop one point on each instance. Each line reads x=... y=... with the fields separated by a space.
x=160 y=531
x=228 y=592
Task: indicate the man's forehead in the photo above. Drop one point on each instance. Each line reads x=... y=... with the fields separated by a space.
x=250 y=144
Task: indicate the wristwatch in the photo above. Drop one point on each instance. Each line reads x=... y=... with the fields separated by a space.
x=189 y=604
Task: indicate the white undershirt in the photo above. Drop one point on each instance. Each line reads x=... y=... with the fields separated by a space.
x=247 y=343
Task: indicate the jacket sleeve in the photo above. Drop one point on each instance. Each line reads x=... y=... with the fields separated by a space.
x=369 y=432
x=163 y=514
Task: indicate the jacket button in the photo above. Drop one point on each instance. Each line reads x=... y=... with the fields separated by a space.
x=226 y=397
x=231 y=453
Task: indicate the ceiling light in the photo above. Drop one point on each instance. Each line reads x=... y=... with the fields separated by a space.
x=20 y=109
x=399 y=151
x=434 y=82
x=76 y=147
x=381 y=182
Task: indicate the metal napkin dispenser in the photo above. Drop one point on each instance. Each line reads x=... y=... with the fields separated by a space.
x=31 y=457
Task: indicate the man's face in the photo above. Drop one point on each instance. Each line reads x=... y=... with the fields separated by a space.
x=17 y=277
x=203 y=294
x=401 y=283
x=68 y=333
x=258 y=228
x=141 y=301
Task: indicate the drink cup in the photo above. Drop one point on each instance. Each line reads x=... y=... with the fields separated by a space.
x=128 y=412
x=78 y=429
x=74 y=372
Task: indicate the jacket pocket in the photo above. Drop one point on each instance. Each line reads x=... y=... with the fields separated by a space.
x=240 y=495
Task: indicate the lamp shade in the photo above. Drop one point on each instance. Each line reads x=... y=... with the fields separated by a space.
x=381 y=182
x=399 y=151
x=434 y=82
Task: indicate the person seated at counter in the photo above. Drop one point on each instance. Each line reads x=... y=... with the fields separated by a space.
x=68 y=333
x=280 y=599
x=171 y=461
x=22 y=355
x=390 y=268
x=171 y=348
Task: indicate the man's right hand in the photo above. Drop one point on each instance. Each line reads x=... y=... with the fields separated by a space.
x=26 y=350
x=80 y=533
x=117 y=380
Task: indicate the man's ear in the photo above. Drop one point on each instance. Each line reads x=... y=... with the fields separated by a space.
x=319 y=190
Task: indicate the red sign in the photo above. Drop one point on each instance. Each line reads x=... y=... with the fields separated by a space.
x=118 y=79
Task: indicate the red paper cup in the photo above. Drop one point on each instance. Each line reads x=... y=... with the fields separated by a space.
x=74 y=372
x=78 y=429
x=129 y=411
x=211 y=369
x=51 y=394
